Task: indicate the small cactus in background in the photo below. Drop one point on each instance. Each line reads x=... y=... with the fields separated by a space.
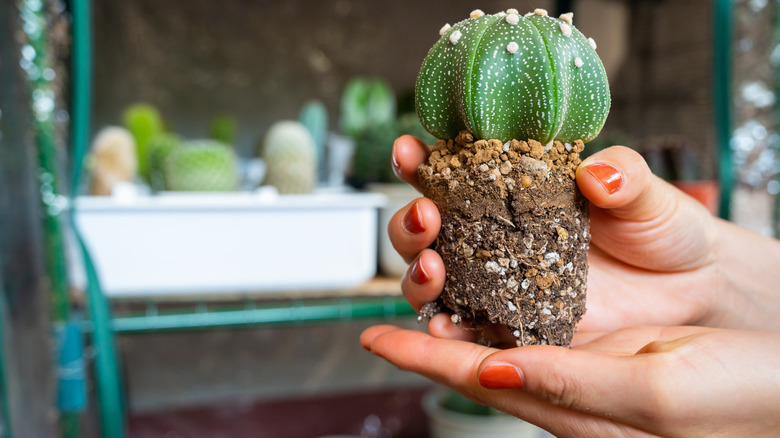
x=410 y=124
x=159 y=148
x=113 y=159
x=223 y=129
x=366 y=103
x=373 y=155
x=507 y=76
x=314 y=116
x=144 y=122
x=368 y=117
x=288 y=151
x=201 y=166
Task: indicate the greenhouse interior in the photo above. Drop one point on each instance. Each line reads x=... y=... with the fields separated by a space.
x=201 y=203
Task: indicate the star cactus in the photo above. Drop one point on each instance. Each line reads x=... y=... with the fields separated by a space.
x=507 y=76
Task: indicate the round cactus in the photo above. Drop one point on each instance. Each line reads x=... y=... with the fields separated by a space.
x=288 y=151
x=507 y=76
x=201 y=166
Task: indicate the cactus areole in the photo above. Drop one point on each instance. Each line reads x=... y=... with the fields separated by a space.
x=507 y=76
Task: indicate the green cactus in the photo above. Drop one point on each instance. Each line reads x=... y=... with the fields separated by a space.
x=373 y=155
x=144 y=122
x=223 y=128
x=365 y=103
x=508 y=76
x=201 y=166
x=288 y=151
x=314 y=116
x=158 y=149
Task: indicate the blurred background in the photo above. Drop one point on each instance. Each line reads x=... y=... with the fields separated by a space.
x=194 y=197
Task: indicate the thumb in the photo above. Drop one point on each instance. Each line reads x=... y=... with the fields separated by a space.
x=641 y=219
x=598 y=384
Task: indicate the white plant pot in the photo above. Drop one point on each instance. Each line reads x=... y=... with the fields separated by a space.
x=444 y=423
x=235 y=242
x=391 y=263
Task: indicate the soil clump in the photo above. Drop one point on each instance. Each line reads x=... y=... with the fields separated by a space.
x=514 y=236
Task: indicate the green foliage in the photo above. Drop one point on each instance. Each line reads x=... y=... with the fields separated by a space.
x=314 y=116
x=410 y=124
x=223 y=129
x=159 y=148
x=368 y=117
x=373 y=154
x=366 y=103
x=456 y=402
x=201 y=165
x=288 y=151
x=507 y=76
x=144 y=122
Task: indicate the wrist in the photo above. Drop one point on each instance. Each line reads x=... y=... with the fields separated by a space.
x=745 y=290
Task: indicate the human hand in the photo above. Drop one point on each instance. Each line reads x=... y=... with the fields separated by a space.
x=653 y=258
x=635 y=382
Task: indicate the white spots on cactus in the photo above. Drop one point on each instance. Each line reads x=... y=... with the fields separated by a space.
x=455 y=36
x=444 y=29
x=592 y=43
x=476 y=13
x=568 y=17
x=540 y=11
x=531 y=91
x=566 y=29
x=578 y=62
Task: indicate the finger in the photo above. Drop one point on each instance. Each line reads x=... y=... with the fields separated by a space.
x=456 y=364
x=580 y=380
x=414 y=227
x=441 y=326
x=408 y=153
x=641 y=219
x=446 y=361
x=424 y=279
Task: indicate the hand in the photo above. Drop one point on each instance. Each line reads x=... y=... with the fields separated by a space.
x=635 y=382
x=656 y=255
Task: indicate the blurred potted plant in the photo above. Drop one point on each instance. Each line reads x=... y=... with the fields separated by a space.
x=451 y=415
x=369 y=117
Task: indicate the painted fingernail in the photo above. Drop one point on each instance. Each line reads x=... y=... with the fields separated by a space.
x=501 y=376
x=413 y=221
x=418 y=274
x=609 y=177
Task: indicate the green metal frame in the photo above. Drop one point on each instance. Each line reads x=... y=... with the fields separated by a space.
x=722 y=33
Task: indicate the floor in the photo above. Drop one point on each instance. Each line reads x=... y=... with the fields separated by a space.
x=378 y=414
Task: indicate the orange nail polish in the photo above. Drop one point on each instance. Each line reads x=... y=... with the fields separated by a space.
x=609 y=177
x=418 y=274
x=501 y=376
x=413 y=221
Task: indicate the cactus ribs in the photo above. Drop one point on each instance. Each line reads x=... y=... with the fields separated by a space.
x=514 y=235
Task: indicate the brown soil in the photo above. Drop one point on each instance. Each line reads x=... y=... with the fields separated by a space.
x=514 y=236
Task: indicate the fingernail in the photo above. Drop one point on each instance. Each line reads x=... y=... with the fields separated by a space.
x=418 y=274
x=501 y=376
x=609 y=177
x=395 y=163
x=413 y=221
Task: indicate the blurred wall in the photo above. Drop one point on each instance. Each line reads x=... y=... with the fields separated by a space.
x=259 y=59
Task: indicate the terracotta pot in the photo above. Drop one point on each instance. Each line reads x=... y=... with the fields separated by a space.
x=707 y=192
